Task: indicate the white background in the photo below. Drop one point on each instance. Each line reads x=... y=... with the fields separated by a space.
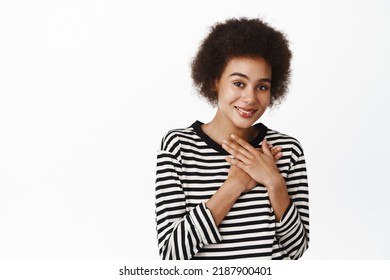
x=88 y=88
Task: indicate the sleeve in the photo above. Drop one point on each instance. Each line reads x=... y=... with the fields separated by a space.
x=181 y=232
x=293 y=229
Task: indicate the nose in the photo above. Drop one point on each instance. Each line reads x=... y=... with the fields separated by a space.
x=248 y=96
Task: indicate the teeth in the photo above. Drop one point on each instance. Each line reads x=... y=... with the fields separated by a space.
x=244 y=111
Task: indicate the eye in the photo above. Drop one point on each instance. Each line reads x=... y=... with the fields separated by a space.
x=263 y=87
x=239 y=84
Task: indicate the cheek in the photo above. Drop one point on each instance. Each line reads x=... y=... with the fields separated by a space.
x=265 y=98
x=227 y=95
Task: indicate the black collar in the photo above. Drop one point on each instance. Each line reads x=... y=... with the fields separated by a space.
x=255 y=142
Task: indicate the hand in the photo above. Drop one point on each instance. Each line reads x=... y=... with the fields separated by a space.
x=275 y=151
x=259 y=164
x=241 y=179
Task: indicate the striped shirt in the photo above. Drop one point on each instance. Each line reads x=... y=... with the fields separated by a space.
x=190 y=169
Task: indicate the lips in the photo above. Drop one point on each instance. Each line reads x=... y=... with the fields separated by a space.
x=245 y=112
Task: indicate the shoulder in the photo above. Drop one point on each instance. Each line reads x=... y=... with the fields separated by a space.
x=172 y=139
x=287 y=142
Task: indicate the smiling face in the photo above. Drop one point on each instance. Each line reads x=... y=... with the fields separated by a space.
x=244 y=91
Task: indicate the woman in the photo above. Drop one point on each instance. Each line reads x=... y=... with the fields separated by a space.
x=221 y=191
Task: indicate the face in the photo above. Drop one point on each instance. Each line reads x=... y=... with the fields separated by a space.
x=244 y=91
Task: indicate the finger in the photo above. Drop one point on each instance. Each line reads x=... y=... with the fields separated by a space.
x=243 y=143
x=235 y=162
x=265 y=148
x=277 y=156
x=232 y=151
x=271 y=147
x=237 y=150
x=276 y=150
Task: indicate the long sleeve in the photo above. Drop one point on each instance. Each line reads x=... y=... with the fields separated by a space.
x=293 y=229
x=181 y=231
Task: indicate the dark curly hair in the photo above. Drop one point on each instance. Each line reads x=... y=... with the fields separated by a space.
x=241 y=38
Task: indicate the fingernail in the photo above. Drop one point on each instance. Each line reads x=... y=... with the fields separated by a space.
x=233 y=136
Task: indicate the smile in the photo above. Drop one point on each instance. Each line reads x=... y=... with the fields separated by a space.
x=246 y=113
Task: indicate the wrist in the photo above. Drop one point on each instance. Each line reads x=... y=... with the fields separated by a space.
x=234 y=187
x=276 y=183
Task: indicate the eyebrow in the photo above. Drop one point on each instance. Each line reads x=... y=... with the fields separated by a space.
x=246 y=77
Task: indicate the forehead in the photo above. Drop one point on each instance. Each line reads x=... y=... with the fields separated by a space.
x=255 y=67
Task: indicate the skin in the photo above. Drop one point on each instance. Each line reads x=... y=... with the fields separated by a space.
x=244 y=90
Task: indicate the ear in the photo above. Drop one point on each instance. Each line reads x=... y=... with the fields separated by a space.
x=215 y=89
x=216 y=86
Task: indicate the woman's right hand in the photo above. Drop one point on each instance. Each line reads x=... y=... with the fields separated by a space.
x=240 y=179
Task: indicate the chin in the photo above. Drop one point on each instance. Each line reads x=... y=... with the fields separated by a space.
x=245 y=124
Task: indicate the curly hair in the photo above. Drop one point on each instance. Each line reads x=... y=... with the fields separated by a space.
x=241 y=38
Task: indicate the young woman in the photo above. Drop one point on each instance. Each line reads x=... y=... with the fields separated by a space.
x=222 y=192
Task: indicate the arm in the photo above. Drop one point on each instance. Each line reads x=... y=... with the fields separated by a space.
x=288 y=197
x=293 y=229
x=260 y=165
x=238 y=182
x=181 y=233
x=224 y=198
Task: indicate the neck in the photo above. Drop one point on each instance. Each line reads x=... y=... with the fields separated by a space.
x=221 y=130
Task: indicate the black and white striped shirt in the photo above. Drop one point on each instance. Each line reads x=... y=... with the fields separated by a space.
x=190 y=169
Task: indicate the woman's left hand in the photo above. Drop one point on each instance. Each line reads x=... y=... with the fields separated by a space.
x=258 y=163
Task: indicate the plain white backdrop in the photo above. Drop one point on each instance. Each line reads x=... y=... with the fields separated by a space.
x=88 y=88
